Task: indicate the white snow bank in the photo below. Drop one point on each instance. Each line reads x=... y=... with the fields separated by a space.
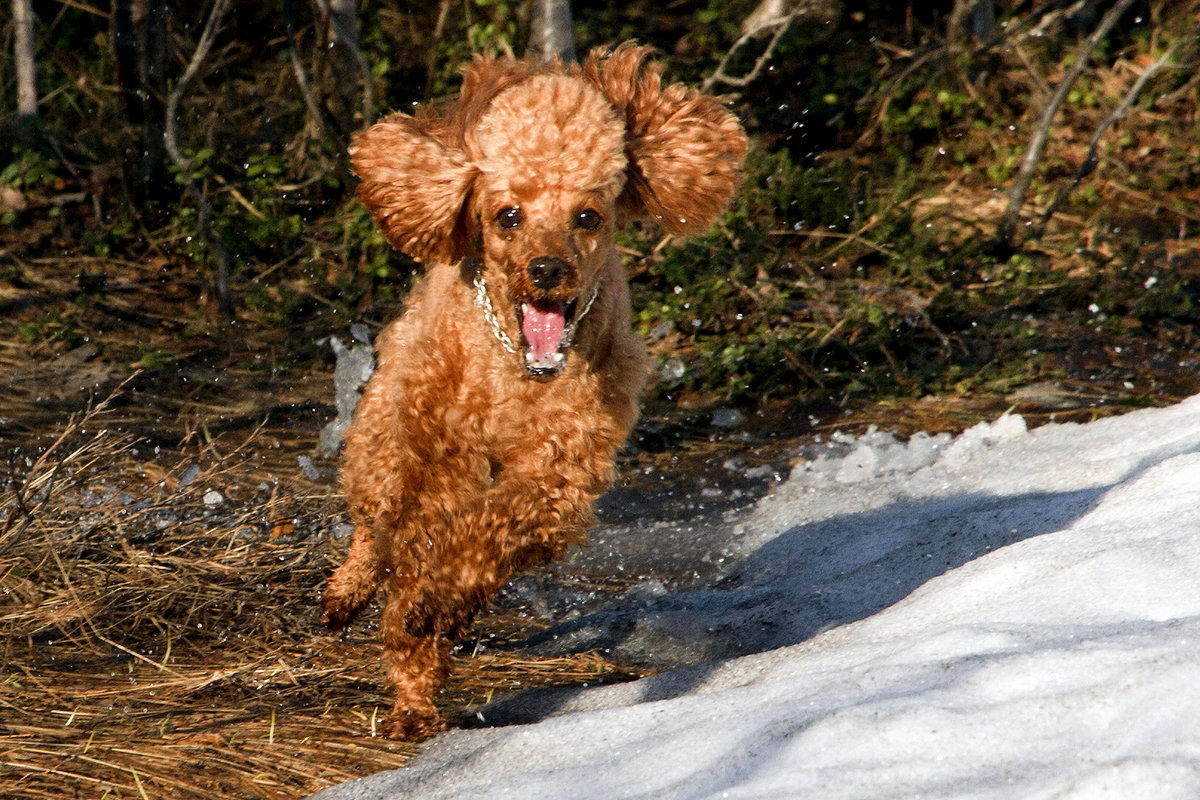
x=1009 y=614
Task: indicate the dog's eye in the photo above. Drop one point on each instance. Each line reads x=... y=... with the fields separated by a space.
x=509 y=218
x=588 y=219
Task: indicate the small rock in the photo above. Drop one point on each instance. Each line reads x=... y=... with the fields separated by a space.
x=189 y=474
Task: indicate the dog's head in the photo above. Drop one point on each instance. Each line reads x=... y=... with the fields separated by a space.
x=527 y=177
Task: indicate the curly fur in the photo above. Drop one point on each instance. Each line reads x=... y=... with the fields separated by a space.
x=478 y=449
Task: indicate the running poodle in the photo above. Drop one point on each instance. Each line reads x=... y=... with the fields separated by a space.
x=503 y=392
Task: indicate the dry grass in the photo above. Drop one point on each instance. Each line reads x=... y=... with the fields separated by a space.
x=158 y=626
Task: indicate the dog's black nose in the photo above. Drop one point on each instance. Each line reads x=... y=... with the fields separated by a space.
x=546 y=273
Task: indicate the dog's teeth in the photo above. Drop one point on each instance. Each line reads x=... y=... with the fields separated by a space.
x=559 y=358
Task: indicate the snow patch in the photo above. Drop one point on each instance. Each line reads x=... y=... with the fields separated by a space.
x=1010 y=613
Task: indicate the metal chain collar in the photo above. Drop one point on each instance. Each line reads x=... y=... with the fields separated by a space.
x=489 y=313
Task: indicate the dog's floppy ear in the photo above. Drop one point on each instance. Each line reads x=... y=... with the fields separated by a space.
x=685 y=150
x=415 y=187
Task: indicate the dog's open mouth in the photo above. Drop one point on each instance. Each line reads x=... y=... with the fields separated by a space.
x=547 y=327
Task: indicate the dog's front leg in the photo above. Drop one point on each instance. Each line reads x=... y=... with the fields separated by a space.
x=352 y=585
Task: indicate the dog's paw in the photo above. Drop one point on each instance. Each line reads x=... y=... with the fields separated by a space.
x=413 y=724
x=336 y=615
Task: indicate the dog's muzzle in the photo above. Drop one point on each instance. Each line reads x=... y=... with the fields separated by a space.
x=547 y=329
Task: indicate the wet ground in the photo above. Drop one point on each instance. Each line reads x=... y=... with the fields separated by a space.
x=257 y=558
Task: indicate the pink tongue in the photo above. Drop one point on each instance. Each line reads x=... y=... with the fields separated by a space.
x=543 y=326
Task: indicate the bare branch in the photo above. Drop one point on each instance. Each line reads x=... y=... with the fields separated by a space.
x=315 y=112
x=772 y=17
x=1007 y=229
x=439 y=28
x=171 y=140
x=1118 y=114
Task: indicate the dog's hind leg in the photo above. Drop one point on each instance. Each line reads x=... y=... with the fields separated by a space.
x=423 y=614
x=417 y=659
x=353 y=584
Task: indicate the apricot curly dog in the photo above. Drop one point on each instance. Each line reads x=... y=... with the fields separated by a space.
x=502 y=393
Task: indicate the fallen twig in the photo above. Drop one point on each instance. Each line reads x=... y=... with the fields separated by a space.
x=41 y=475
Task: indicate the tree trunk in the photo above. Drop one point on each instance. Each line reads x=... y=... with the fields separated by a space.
x=551 y=31
x=27 y=97
x=983 y=19
x=140 y=42
x=970 y=18
x=153 y=68
x=343 y=43
x=346 y=64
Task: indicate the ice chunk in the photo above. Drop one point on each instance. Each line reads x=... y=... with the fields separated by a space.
x=355 y=365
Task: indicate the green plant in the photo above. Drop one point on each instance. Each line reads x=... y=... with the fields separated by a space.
x=28 y=169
